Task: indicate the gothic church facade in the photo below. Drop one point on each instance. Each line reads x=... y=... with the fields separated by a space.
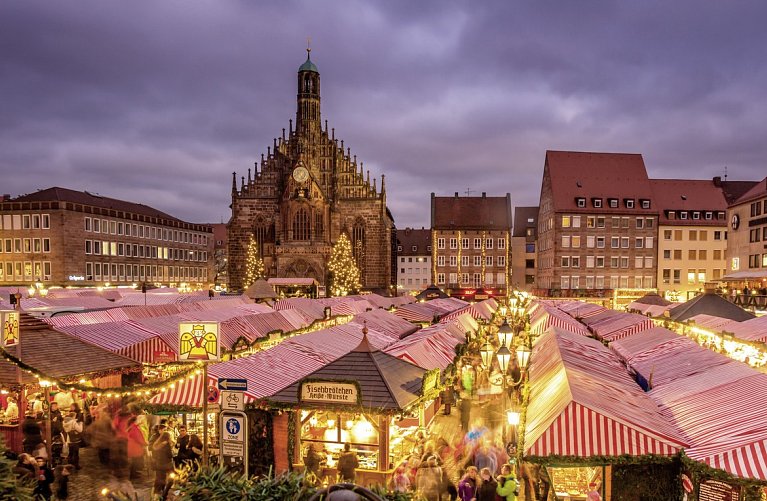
x=305 y=193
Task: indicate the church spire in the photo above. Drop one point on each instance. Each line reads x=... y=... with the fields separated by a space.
x=308 y=99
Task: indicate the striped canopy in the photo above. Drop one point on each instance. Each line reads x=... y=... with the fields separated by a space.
x=584 y=403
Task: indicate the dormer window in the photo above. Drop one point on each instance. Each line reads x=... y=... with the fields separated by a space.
x=696 y=215
x=629 y=203
x=671 y=214
x=720 y=215
x=612 y=203
x=597 y=202
x=580 y=202
x=399 y=248
x=709 y=215
x=428 y=248
x=645 y=204
x=414 y=248
x=683 y=215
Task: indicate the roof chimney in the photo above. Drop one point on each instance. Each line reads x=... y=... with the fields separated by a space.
x=456 y=194
x=718 y=181
x=484 y=194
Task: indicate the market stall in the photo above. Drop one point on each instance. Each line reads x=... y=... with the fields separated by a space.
x=586 y=413
x=369 y=399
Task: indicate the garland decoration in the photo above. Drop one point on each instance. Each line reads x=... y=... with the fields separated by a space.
x=137 y=390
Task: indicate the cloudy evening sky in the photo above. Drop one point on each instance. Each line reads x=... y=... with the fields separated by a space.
x=158 y=102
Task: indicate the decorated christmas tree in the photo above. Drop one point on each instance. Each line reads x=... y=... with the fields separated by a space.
x=344 y=273
x=254 y=267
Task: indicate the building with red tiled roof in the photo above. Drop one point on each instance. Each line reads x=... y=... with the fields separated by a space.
x=413 y=260
x=747 y=242
x=471 y=243
x=597 y=223
x=692 y=234
x=59 y=236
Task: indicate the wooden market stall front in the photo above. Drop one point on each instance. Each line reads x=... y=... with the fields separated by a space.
x=369 y=399
x=43 y=355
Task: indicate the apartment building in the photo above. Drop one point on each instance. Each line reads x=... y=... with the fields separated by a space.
x=692 y=230
x=63 y=237
x=597 y=224
x=523 y=241
x=470 y=238
x=413 y=260
x=746 y=254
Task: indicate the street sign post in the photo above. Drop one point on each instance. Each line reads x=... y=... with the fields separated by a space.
x=234 y=440
x=233 y=384
x=232 y=400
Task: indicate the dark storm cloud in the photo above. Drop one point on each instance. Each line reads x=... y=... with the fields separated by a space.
x=158 y=102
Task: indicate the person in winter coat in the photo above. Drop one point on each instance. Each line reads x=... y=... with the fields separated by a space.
x=400 y=479
x=428 y=479
x=467 y=487
x=33 y=435
x=507 y=484
x=347 y=464
x=73 y=428
x=44 y=479
x=486 y=491
x=136 y=449
x=162 y=462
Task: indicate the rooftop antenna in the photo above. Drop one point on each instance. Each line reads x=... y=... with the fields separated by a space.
x=468 y=192
x=725 y=173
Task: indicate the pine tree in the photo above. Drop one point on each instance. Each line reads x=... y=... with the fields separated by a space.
x=10 y=487
x=254 y=266
x=344 y=273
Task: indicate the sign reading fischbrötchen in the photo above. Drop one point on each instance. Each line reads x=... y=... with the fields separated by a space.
x=329 y=391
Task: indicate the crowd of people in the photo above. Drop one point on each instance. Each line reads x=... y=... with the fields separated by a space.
x=127 y=441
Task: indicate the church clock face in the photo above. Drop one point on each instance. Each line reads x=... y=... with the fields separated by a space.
x=300 y=174
x=735 y=221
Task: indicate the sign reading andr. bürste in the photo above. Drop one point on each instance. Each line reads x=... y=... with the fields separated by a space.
x=329 y=391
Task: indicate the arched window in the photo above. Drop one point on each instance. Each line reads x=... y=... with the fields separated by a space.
x=358 y=244
x=264 y=234
x=319 y=227
x=301 y=225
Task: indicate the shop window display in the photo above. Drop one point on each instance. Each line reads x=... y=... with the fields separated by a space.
x=576 y=483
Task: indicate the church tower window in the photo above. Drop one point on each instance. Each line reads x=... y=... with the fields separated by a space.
x=301 y=225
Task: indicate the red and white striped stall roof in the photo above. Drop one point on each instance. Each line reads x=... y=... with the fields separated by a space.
x=125 y=338
x=750 y=330
x=620 y=326
x=432 y=347
x=584 y=403
x=712 y=322
x=188 y=394
x=484 y=310
x=580 y=309
x=554 y=318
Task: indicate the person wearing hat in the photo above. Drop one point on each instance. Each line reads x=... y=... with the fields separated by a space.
x=507 y=484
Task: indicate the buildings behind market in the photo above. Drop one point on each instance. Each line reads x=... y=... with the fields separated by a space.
x=602 y=224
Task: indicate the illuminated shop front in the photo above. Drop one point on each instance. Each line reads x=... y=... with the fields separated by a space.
x=368 y=399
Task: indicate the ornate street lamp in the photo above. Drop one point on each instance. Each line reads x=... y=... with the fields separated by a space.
x=512 y=416
x=506 y=334
x=523 y=356
x=487 y=354
x=504 y=357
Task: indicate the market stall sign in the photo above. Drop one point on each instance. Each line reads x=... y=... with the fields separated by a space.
x=199 y=341
x=163 y=356
x=430 y=381
x=329 y=391
x=713 y=490
x=10 y=321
